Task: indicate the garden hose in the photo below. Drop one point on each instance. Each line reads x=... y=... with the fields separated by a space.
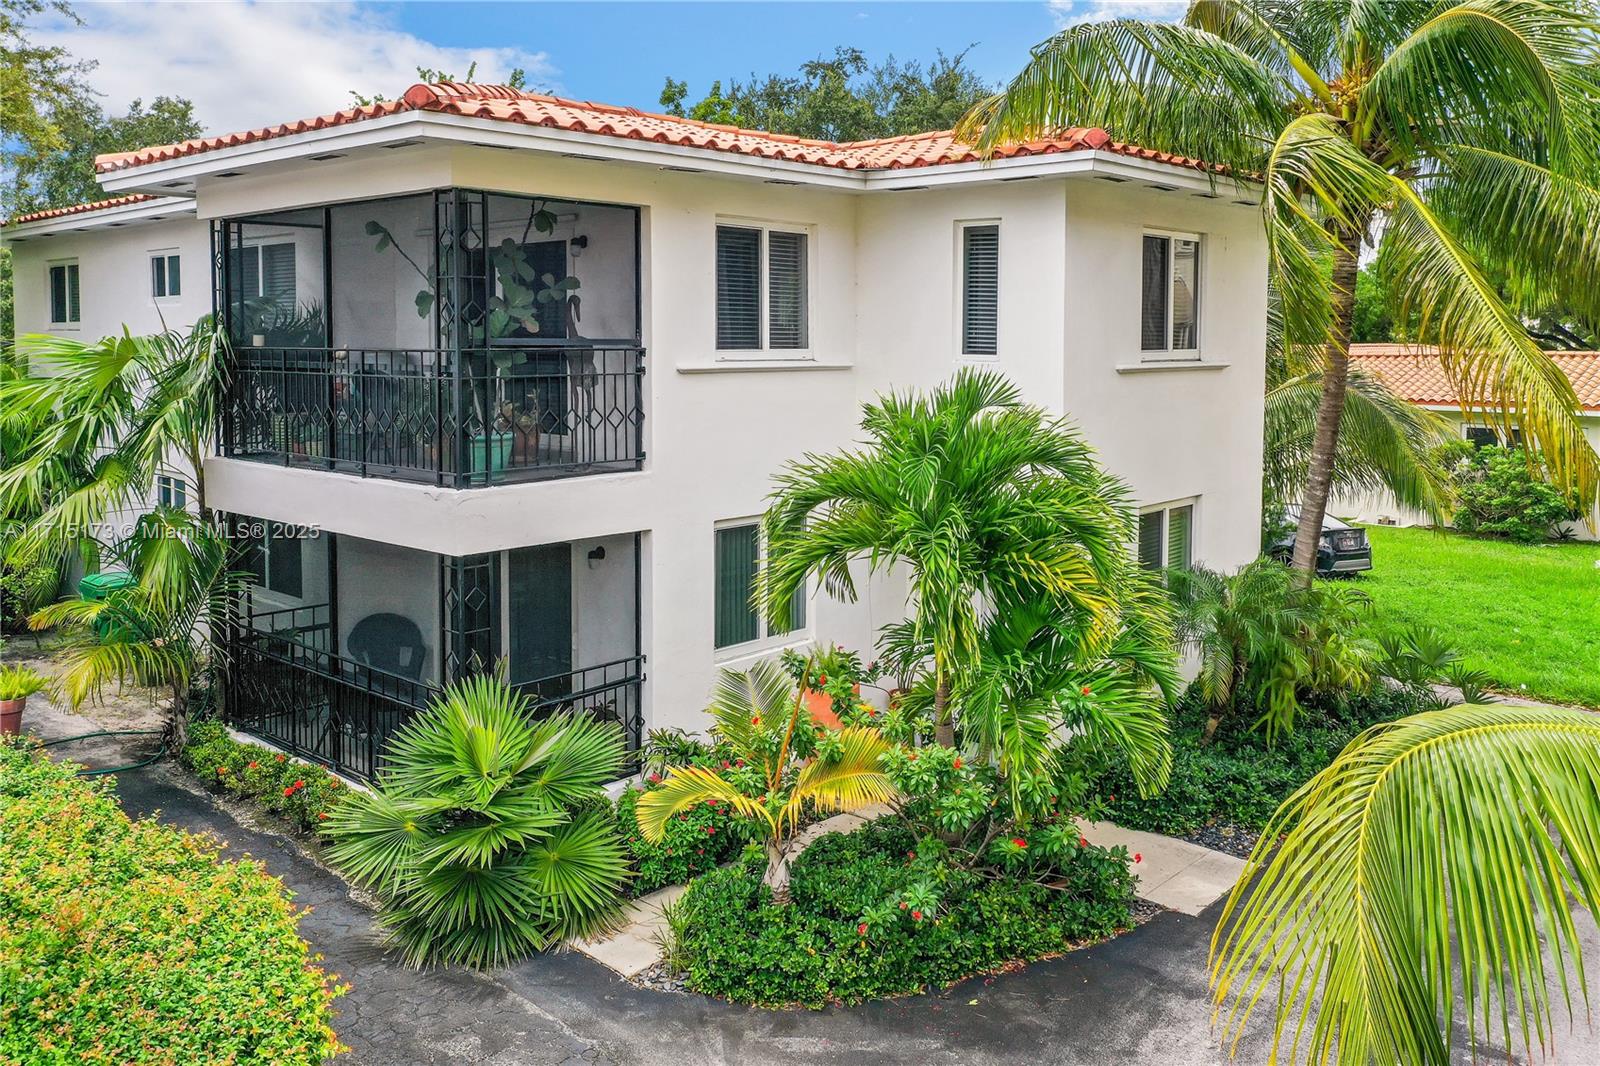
x=160 y=752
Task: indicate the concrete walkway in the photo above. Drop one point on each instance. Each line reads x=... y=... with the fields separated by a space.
x=1172 y=873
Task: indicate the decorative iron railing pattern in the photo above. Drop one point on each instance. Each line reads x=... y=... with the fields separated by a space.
x=341 y=713
x=457 y=418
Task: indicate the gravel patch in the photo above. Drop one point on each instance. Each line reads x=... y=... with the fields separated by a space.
x=1226 y=837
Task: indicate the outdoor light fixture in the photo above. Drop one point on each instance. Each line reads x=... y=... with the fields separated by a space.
x=595 y=555
x=578 y=244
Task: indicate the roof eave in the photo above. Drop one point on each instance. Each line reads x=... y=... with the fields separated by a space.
x=438 y=127
x=162 y=207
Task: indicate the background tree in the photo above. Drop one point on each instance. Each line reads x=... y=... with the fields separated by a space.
x=61 y=174
x=841 y=98
x=1471 y=131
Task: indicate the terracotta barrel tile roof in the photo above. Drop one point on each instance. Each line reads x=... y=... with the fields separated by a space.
x=1414 y=372
x=503 y=104
x=78 y=209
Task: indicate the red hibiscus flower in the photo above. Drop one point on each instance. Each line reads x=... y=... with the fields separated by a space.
x=1019 y=842
x=322 y=816
x=916 y=916
x=288 y=792
x=958 y=762
x=222 y=769
x=1086 y=690
x=862 y=928
x=756 y=720
x=1137 y=857
x=254 y=765
x=1083 y=842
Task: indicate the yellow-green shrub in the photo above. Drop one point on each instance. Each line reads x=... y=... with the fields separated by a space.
x=131 y=941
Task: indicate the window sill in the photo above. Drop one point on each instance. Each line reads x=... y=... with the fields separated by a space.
x=750 y=651
x=720 y=366
x=1157 y=366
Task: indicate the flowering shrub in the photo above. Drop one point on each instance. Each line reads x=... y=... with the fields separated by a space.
x=300 y=792
x=873 y=914
x=697 y=840
x=135 y=942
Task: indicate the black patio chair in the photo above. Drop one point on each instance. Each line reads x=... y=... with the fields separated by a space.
x=391 y=643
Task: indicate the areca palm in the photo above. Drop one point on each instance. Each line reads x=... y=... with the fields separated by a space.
x=487 y=836
x=1437 y=859
x=157 y=632
x=1470 y=130
x=92 y=432
x=989 y=504
x=788 y=765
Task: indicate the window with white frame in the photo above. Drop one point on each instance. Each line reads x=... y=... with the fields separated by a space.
x=738 y=559
x=166 y=279
x=1166 y=536
x=1489 y=437
x=64 y=295
x=171 y=492
x=266 y=270
x=980 y=289
x=275 y=559
x=763 y=288
x=1169 y=304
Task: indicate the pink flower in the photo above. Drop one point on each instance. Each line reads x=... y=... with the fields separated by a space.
x=655 y=779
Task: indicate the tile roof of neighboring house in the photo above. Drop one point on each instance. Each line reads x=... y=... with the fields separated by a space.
x=533 y=109
x=79 y=209
x=1416 y=373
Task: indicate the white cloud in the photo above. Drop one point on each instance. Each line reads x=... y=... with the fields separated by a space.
x=255 y=64
x=1076 y=12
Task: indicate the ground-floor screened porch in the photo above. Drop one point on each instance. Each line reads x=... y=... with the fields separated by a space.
x=338 y=640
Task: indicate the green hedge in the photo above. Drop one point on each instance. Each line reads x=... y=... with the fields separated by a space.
x=302 y=793
x=697 y=840
x=126 y=941
x=1239 y=778
x=737 y=944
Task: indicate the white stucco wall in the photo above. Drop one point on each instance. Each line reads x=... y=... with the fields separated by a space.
x=883 y=315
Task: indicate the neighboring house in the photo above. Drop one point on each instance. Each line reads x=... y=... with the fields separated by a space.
x=1414 y=373
x=525 y=368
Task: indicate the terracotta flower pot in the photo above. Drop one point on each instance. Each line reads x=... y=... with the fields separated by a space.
x=11 y=716
x=820 y=704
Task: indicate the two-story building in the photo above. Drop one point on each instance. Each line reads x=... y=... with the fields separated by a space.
x=511 y=374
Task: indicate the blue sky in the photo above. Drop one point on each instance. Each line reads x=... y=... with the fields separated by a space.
x=250 y=64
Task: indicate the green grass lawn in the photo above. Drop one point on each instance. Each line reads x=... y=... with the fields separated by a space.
x=1529 y=615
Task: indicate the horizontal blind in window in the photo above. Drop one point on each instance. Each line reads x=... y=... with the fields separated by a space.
x=1179 y=536
x=1153 y=302
x=1150 y=539
x=786 y=278
x=277 y=272
x=980 y=290
x=735 y=621
x=738 y=287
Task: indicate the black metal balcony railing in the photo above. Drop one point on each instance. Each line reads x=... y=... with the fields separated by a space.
x=481 y=417
x=341 y=713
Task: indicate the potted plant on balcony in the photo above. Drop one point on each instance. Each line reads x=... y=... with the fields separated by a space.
x=17 y=683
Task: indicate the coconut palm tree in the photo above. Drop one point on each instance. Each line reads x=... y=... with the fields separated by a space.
x=986 y=502
x=1435 y=861
x=789 y=764
x=488 y=836
x=1470 y=131
x=159 y=631
x=92 y=433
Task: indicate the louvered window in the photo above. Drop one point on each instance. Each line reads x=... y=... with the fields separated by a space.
x=736 y=621
x=64 y=297
x=980 y=290
x=1169 y=304
x=267 y=270
x=786 y=272
x=763 y=289
x=738 y=288
x=1166 y=537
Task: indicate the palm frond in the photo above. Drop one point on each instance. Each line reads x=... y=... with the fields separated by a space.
x=1452 y=842
x=686 y=786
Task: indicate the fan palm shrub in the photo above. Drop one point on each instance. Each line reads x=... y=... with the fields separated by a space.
x=987 y=504
x=1433 y=866
x=1468 y=131
x=785 y=765
x=161 y=631
x=1261 y=639
x=487 y=836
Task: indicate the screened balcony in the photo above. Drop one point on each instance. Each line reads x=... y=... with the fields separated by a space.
x=456 y=338
x=338 y=640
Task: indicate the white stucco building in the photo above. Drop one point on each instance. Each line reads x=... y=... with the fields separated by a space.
x=1415 y=373
x=526 y=366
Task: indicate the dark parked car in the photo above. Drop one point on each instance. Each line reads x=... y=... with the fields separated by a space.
x=1344 y=549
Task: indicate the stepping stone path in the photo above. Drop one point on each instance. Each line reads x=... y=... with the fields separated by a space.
x=1172 y=873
